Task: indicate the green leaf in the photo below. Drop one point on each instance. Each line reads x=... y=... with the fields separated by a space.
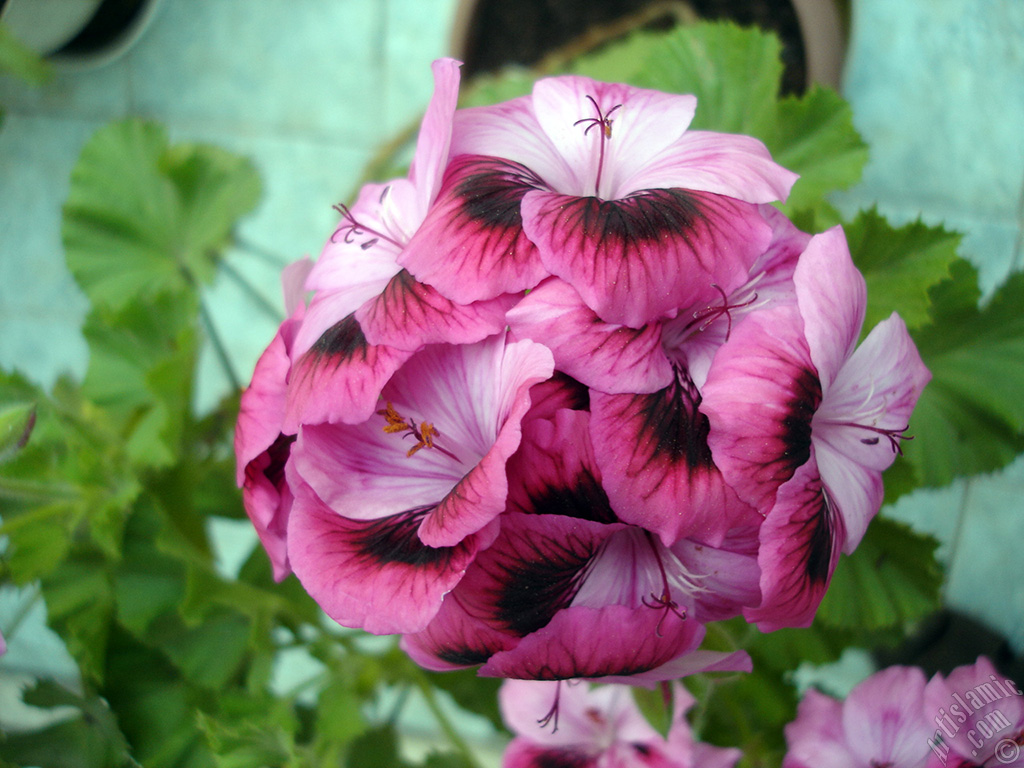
x=209 y=654
x=143 y=218
x=891 y=580
x=377 y=748
x=90 y=739
x=970 y=418
x=472 y=693
x=22 y=62
x=16 y=422
x=900 y=265
x=253 y=739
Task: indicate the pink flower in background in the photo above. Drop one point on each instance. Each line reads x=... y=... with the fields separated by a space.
x=573 y=724
x=977 y=718
x=882 y=722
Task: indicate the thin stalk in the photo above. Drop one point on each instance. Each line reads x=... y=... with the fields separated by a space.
x=445 y=724
x=274 y=259
x=218 y=346
x=262 y=302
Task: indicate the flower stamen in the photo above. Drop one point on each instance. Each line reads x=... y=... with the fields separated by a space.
x=664 y=601
x=711 y=313
x=894 y=436
x=353 y=228
x=424 y=433
x=552 y=715
x=603 y=122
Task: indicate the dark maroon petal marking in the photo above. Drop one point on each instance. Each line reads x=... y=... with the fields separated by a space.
x=394 y=539
x=535 y=590
x=340 y=377
x=560 y=758
x=656 y=465
x=463 y=656
x=271 y=464
x=584 y=499
x=634 y=259
x=409 y=314
x=796 y=425
x=471 y=246
x=800 y=544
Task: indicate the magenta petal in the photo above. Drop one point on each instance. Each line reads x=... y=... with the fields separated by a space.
x=635 y=259
x=656 y=465
x=606 y=357
x=340 y=378
x=760 y=396
x=597 y=642
x=373 y=574
x=471 y=246
x=554 y=471
x=800 y=543
x=409 y=314
x=521 y=753
x=884 y=718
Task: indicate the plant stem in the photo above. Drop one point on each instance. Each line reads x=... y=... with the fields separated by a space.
x=445 y=724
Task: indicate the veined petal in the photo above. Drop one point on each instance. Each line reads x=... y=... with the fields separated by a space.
x=634 y=260
x=455 y=639
x=584 y=119
x=728 y=575
x=471 y=246
x=656 y=465
x=884 y=719
x=832 y=297
x=375 y=574
x=721 y=163
x=760 y=396
x=409 y=314
x=521 y=753
x=631 y=641
x=815 y=738
x=340 y=378
x=604 y=356
x=800 y=543
x=554 y=472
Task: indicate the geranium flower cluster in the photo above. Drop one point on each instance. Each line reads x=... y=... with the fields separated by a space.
x=971 y=718
x=570 y=390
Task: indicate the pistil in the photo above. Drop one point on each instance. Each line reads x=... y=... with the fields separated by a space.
x=892 y=435
x=355 y=228
x=603 y=123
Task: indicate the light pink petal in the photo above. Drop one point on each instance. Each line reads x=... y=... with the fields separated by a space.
x=435 y=134
x=472 y=246
x=340 y=378
x=510 y=130
x=816 y=738
x=293 y=282
x=857 y=491
x=832 y=297
x=967 y=696
x=800 y=542
x=721 y=163
x=884 y=718
x=573 y=112
x=409 y=314
x=728 y=575
x=631 y=641
x=606 y=357
x=376 y=575
x=634 y=260
x=760 y=396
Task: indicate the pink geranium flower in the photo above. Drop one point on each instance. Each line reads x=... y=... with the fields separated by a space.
x=881 y=723
x=567 y=590
x=583 y=726
x=389 y=513
x=803 y=422
x=979 y=714
x=614 y=195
